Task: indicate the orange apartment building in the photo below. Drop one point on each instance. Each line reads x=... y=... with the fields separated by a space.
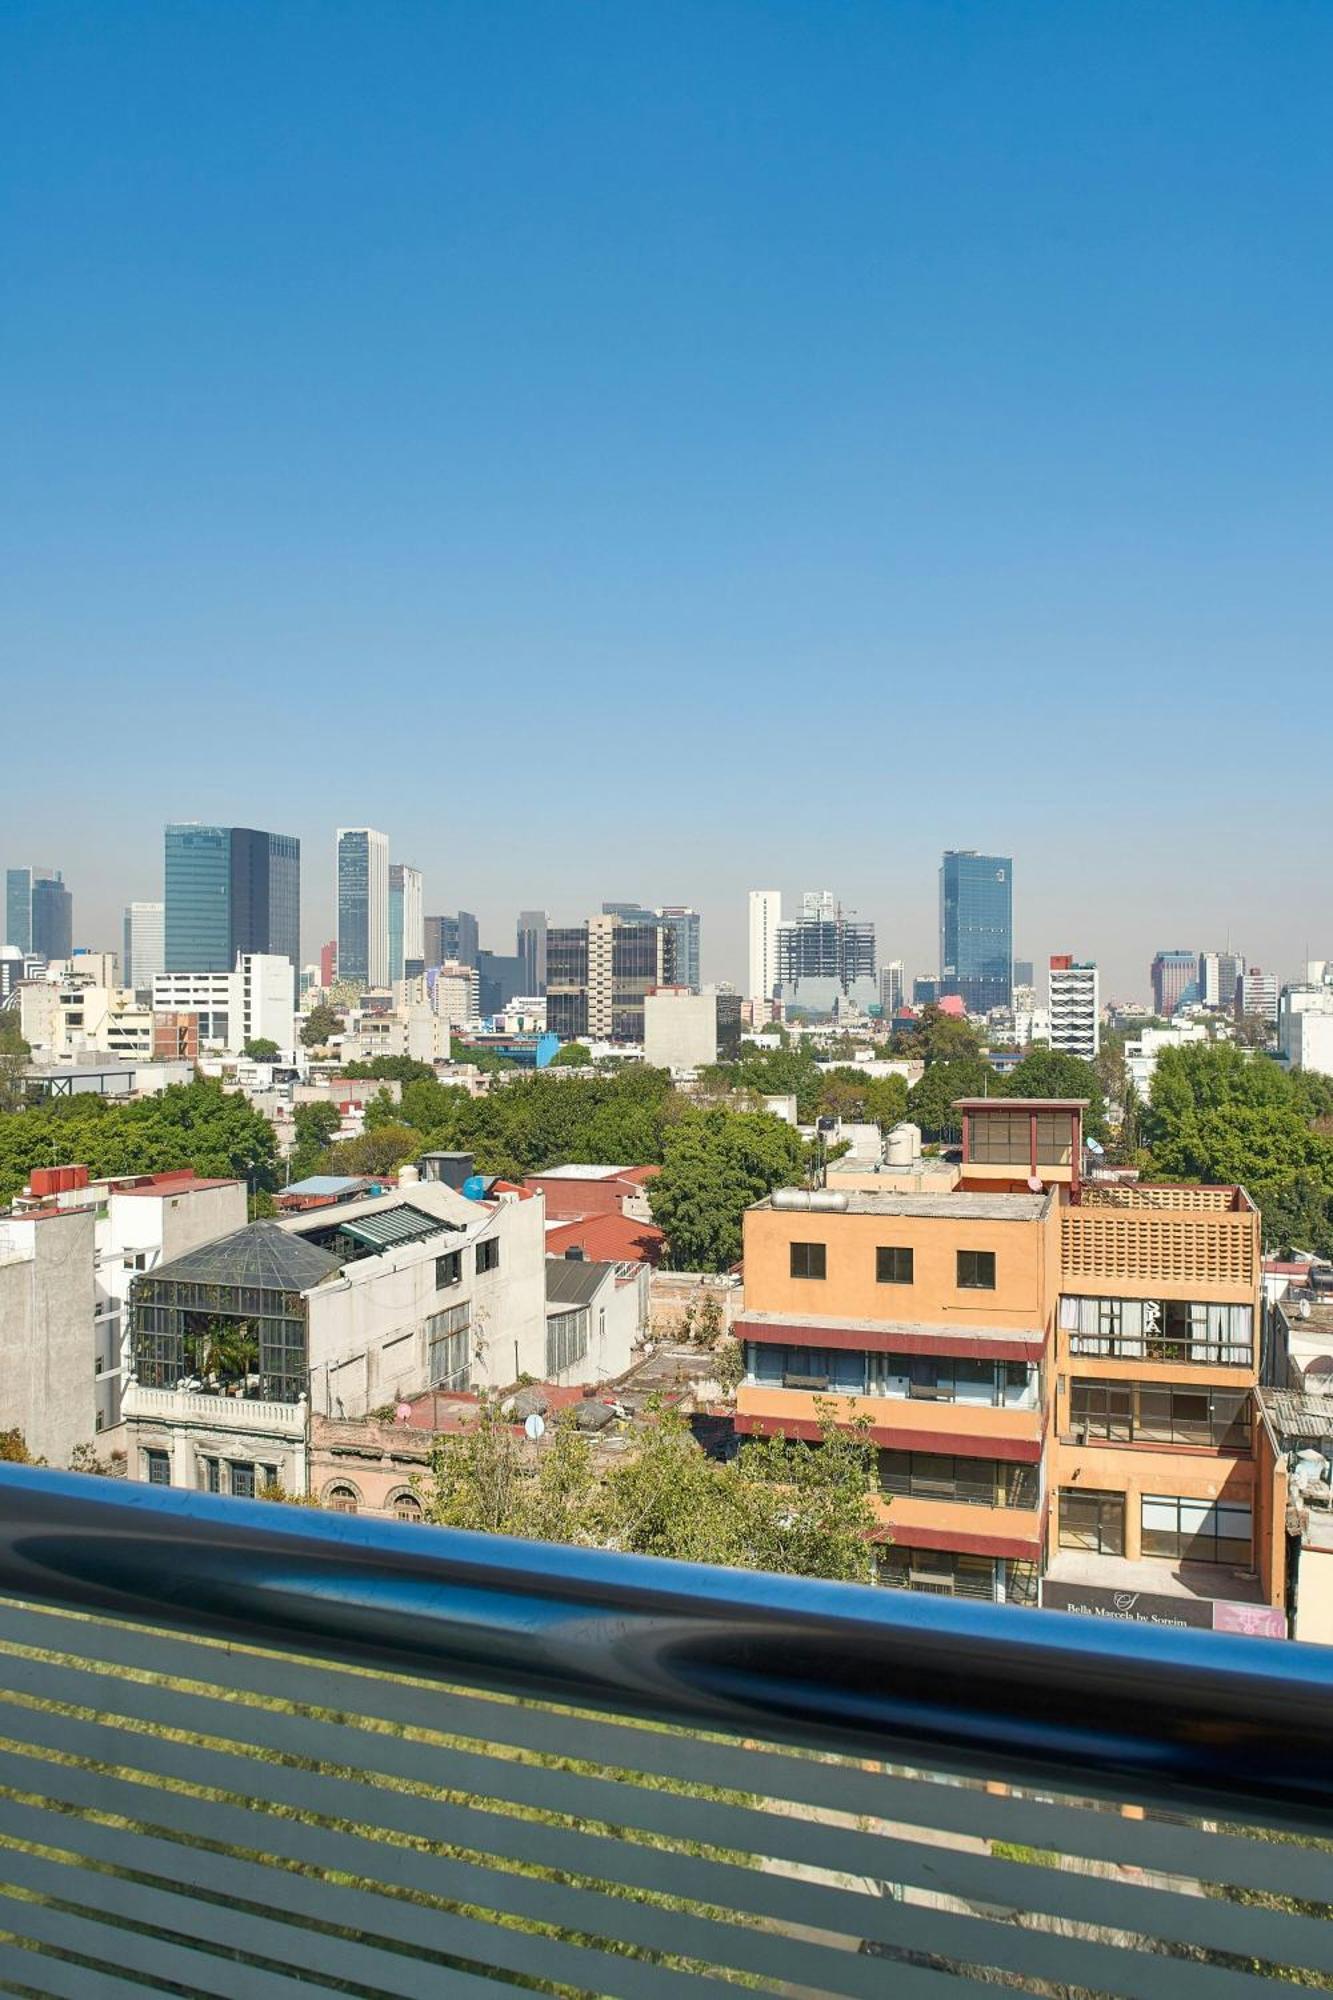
x=1059 y=1378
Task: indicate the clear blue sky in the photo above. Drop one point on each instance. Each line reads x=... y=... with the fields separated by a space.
x=650 y=450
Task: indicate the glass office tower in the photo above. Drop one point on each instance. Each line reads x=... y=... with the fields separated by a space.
x=230 y=889
x=977 y=929
x=52 y=917
x=363 y=905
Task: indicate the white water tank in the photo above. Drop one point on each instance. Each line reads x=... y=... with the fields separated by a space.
x=408 y=1175
x=902 y=1146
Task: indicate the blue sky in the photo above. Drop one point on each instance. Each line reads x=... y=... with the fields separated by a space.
x=649 y=451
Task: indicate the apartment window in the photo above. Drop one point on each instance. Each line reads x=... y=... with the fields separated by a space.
x=342 y=1499
x=1156 y=1413
x=972 y=1482
x=566 y=1339
x=448 y=1360
x=938 y=1573
x=976 y=1270
x=448 y=1270
x=488 y=1255
x=1092 y=1521
x=242 y=1480
x=406 y=1507
x=158 y=1466
x=893 y=1265
x=809 y=1260
x=1176 y=1330
x=840 y=1369
x=210 y=1475
x=1210 y=1531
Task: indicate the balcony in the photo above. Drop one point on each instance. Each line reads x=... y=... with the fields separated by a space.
x=251 y=1751
x=212 y=1410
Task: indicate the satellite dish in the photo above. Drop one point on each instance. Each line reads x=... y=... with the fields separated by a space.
x=1035 y=1183
x=403 y=1413
x=534 y=1427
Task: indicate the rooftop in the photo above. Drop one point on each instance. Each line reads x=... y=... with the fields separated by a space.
x=1070 y=1104
x=573 y=1281
x=330 y=1184
x=1299 y=1416
x=932 y=1207
x=593 y=1173
x=260 y=1255
x=609 y=1239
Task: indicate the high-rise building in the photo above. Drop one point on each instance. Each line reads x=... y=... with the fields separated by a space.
x=682 y=924
x=531 y=948
x=230 y=890
x=363 y=905
x=1024 y=972
x=1256 y=994
x=597 y=974
x=892 y=986
x=21 y=885
x=441 y=935
x=52 y=917
x=824 y=943
x=1174 y=980
x=977 y=929
x=469 y=938
x=144 y=953
x=1218 y=975
x=1075 y=1008
x=407 y=925
x=328 y=963
x=765 y=916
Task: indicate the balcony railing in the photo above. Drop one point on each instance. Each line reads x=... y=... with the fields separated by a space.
x=253 y=1751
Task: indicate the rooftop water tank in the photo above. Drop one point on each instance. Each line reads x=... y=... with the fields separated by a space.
x=474 y=1187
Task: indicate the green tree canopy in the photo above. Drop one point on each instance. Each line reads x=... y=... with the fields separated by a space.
x=197 y=1125
x=261 y=1049
x=572 y=1055
x=716 y=1163
x=797 y=1509
x=319 y=1027
x=1052 y=1073
x=930 y=1102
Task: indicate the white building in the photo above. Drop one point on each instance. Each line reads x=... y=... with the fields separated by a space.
x=1075 y=1008
x=1141 y=1055
x=1305 y=1025
x=1219 y=974
x=63 y=1018
x=765 y=917
x=455 y=992
x=145 y=952
x=892 y=986
x=251 y=1004
x=416 y=1032
x=595 y=1315
x=685 y=1031
x=1256 y=994
x=361 y=1304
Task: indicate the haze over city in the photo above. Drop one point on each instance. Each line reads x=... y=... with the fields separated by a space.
x=551 y=435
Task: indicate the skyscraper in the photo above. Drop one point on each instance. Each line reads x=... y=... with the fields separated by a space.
x=682 y=926
x=144 y=953
x=407 y=925
x=1219 y=974
x=892 y=986
x=1175 y=980
x=531 y=947
x=52 y=918
x=765 y=916
x=20 y=886
x=469 y=938
x=230 y=890
x=598 y=973
x=363 y=905
x=977 y=929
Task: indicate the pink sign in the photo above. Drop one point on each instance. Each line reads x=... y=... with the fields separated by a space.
x=1257 y=1621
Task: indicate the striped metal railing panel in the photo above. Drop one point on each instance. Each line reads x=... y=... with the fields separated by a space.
x=210 y=1785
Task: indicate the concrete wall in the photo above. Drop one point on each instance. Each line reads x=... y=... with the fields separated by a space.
x=46 y=1332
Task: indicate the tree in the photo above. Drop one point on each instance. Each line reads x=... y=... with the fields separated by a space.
x=319 y=1027
x=198 y=1125
x=262 y=1050
x=572 y=1055
x=947 y=1038
x=392 y=1069
x=316 y=1126
x=930 y=1102
x=1053 y=1073
x=795 y=1508
x=715 y=1165
x=379 y=1152
x=15 y=1056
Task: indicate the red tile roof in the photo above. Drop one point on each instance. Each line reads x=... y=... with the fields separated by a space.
x=607 y=1239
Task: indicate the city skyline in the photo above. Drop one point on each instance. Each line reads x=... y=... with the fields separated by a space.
x=681 y=416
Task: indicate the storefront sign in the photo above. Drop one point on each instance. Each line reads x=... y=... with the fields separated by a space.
x=1145 y=1607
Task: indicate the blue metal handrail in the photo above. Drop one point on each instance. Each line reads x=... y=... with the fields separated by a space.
x=1169 y=1718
